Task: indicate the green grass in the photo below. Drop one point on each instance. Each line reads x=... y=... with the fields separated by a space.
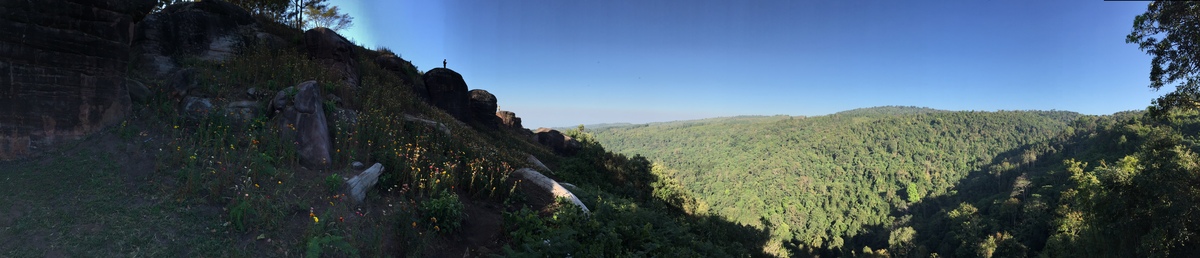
x=76 y=204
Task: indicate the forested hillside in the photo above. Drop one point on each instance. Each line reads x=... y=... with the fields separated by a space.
x=1118 y=186
x=818 y=182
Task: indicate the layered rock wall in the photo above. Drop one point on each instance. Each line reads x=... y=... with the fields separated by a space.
x=62 y=69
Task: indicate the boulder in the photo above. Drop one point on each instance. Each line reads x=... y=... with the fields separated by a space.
x=509 y=121
x=364 y=181
x=548 y=185
x=407 y=73
x=196 y=107
x=301 y=119
x=337 y=54
x=537 y=164
x=448 y=91
x=347 y=117
x=183 y=83
x=556 y=141
x=241 y=113
x=483 y=108
x=210 y=30
x=137 y=91
x=62 y=69
x=430 y=123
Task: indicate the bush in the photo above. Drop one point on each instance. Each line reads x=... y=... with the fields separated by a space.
x=445 y=212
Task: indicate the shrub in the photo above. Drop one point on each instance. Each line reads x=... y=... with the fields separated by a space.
x=445 y=212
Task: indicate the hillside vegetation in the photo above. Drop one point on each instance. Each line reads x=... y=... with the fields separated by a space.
x=219 y=181
x=893 y=182
x=833 y=182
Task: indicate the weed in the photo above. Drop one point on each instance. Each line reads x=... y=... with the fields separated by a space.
x=333 y=183
x=237 y=214
x=445 y=212
x=317 y=244
x=321 y=236
x=126 y=131
x=329 y=106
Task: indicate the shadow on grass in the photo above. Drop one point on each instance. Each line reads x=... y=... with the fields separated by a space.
x=75 y=201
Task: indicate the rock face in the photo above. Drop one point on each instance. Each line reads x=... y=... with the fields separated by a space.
x=448 y=91
x=195 y=107
x=210 y=30
x=137 y=91
x=302 y=120
x=483 y=108
x=62 y=69
x=547 y=185
x=241 y=113
x=556 y=141
x=407 y=73
x=336 y=53
x=509 y=119
x=510 y=122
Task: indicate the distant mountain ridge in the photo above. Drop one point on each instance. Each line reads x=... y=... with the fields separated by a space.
x=890 y=110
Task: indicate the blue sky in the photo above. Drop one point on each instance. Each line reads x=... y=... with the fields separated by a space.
x=563 y=63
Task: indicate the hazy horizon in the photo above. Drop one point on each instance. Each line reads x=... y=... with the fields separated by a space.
x=569 y=63
x=769 y=115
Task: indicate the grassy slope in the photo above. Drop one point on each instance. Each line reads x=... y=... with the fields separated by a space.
x=87 y=199
x=164 y=185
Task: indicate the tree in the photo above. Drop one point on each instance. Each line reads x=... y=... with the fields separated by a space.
x=300 y=14
x=1170 y=32
x=271 y=9
x=322 y=15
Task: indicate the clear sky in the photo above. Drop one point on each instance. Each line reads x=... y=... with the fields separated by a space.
x=564 y=63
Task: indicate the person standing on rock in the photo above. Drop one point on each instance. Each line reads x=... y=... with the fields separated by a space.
x=443 y=63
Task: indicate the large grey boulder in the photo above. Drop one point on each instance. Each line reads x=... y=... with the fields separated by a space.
x=241 y=113
x=359 y=185
x=557 y=141
x=302 y=120
x=448 y=91
x=549 y=185
x=483 y=108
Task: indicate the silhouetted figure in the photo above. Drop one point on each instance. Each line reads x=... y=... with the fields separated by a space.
x=443 y=63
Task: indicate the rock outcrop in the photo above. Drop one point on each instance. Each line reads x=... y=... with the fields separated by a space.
x=483 y=108
x=62 y=69
x=407 y=73
x=448 y=91
x=548 y=185
x=510 y=122
x=210 y=30
x=537 y=163
x=337 y=54
x=302 y=120
x=556 y=141
x=434 y=124
x=360 y=184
